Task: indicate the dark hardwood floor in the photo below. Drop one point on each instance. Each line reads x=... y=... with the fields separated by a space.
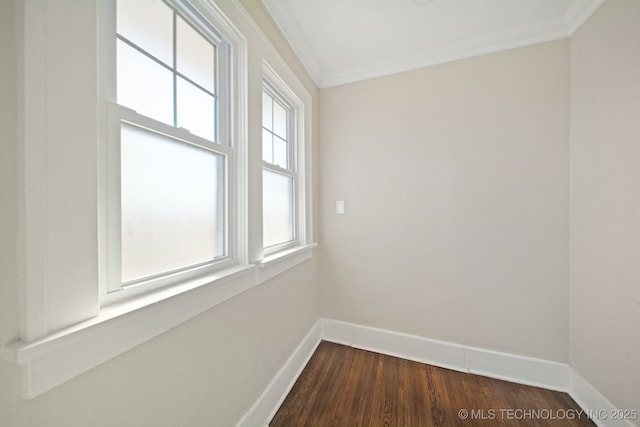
x=343 y=386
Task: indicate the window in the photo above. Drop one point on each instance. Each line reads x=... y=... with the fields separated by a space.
x=164 y=191
x=279 y=174
x=171 y=157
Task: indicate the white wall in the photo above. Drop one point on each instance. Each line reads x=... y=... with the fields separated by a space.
x=207 y=371
x=605 y=202
x=455 y=180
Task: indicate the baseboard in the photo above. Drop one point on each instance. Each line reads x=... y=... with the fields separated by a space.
x=505 y=366
x=268 y=403
x=598 y=407
x=489 y=363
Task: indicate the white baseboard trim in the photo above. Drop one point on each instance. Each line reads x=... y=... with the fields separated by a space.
x=489 y=363
x=505 y=366
x=270 y=400
x=598 y=407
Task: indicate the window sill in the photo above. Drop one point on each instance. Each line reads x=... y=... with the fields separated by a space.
x=121 y=326
x=286 y=254
x=279 y=262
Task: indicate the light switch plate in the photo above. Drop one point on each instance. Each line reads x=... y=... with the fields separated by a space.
x=340 y=207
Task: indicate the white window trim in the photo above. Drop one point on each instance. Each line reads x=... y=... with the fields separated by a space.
x=119 y=328
x=115 y=290
x=231 y=128
x=43 y=354
x=302 y=190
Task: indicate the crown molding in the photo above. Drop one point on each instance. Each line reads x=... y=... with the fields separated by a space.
x=580 y=13
x=449 y=52
x=286 y=22
x=541 y=32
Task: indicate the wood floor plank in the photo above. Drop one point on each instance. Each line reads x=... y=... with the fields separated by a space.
x=343 y=386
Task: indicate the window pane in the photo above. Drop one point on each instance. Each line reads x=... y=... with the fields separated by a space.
x=279 y=120
x=148 y=24
x=144 y=85
x=267 y=146
x=172 y=209
x=280 y=152
x=277 y=208
x=267 y=111
x=196 y=110
x=195 y=56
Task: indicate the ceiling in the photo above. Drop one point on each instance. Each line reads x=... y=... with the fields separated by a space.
x=343 y=41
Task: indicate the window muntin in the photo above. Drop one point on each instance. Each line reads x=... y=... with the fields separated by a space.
x=149 y=25
x=171 y=156
x=155 y=43
x=195 y=110
x=144 y=85
x=195 y=55
x=276 y=132
x=279 y=177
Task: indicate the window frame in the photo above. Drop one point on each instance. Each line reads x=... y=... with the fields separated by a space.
x=291 y=171
x=280 y=91
x=230 y=143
